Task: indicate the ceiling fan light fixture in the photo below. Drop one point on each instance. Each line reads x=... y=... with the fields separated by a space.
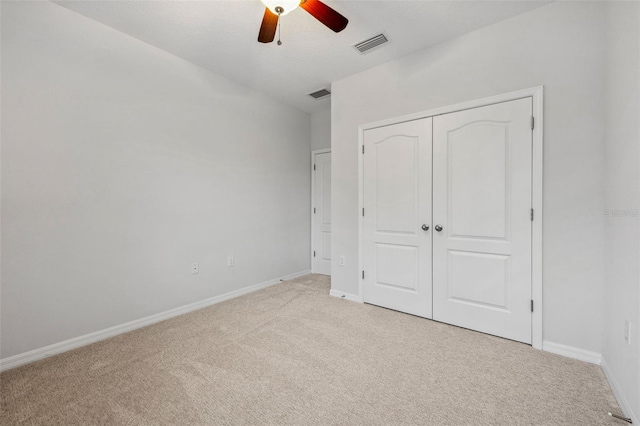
x=282 y=6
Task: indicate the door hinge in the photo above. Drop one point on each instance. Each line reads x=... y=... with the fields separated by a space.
x=531 y=305
x=363 y=149
x=363 y=275
x=314 y=253
x=314 y=167
x=363 y=211
x=531 y=215
x=533 y=122
x=314 y=210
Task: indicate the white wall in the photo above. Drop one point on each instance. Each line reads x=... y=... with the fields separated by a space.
x=121 y=165
x=321 y=130
x=622 y=248
x=560 y=46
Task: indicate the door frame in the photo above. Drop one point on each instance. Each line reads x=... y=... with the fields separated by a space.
x=536 y=93
x=313 y=194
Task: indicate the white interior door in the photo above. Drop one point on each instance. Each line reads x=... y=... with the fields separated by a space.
x=322 y=213
x=482 y=201
x=397 y=202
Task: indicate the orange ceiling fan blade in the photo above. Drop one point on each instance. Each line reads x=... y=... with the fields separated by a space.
x=268 y=27
x=325 y=14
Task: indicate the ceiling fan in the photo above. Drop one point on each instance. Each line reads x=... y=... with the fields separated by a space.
x=276 y=8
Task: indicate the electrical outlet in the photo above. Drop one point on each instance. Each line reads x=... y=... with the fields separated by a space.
x=231 y=261
x=194 y=268
x=342 y=262
x=627 y=332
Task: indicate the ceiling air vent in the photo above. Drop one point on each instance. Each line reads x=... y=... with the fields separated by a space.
x=318 y=94
x=368 y=44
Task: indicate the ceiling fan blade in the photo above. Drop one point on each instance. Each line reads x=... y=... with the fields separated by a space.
x=325 y=14
x=268 y=27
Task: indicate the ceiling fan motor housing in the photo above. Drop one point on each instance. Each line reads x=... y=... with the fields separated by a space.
x=281 y=7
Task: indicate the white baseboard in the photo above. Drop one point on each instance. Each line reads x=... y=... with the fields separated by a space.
x=572 y=352
x=617 y=392
x=342 y=295
x=76 y=342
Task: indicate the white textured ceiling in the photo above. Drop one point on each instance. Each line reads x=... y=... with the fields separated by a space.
x=221 y=36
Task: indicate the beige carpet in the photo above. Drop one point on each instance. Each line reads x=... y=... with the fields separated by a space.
x=291 y=354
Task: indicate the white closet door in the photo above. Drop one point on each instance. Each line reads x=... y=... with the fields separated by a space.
x=397 y=202
x=482 y=200
x=322 y=214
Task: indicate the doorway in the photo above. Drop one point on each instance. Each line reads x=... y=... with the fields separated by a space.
x=321 y=212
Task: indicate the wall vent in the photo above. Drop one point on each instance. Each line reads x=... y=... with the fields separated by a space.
x=370 y=43
x=319 y=94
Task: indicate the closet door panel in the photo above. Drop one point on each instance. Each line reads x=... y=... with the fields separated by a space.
x=482 y=206
x=397 y=203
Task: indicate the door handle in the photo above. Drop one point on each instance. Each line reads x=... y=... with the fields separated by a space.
x=438 y=228
x=425 y=227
